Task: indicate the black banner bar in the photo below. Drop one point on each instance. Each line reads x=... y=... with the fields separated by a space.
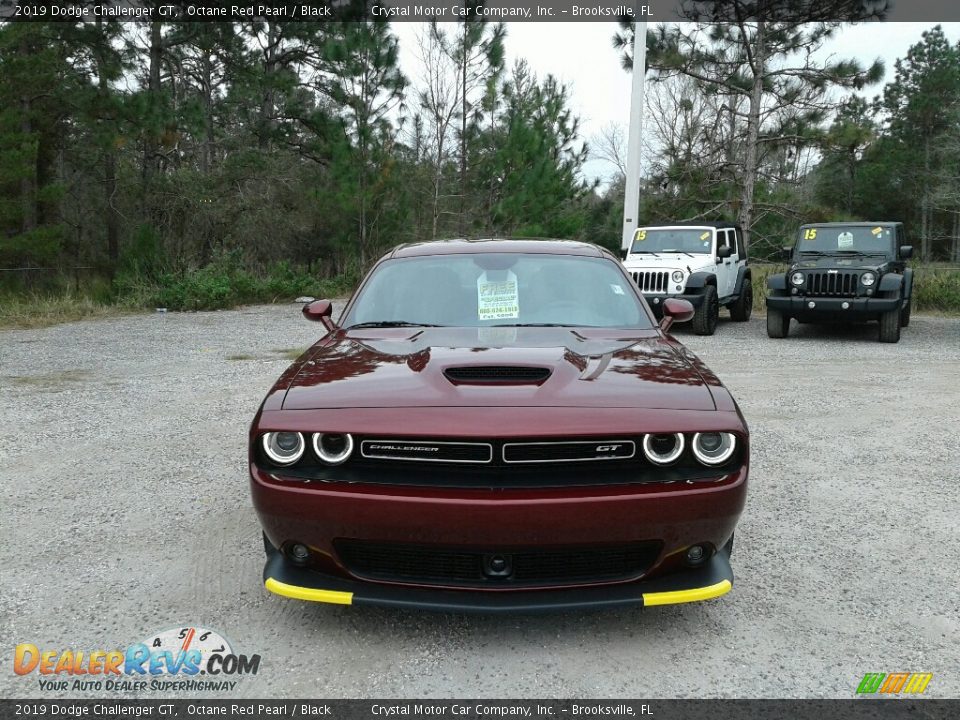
x=492 y=10
x=863 y=709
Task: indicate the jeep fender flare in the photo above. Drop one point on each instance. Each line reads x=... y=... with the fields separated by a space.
x=777 y=282
x=891 y=282
x=698 y=281
x=743 y=273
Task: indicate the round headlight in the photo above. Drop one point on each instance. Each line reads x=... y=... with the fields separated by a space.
x=797 y=278
x=663 y=449
x=868 y=278
x=333 y=448
x=283 y=448
x=677 y=275
x=714 y=448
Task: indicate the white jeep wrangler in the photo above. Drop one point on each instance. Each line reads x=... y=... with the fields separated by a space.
x=705 y=263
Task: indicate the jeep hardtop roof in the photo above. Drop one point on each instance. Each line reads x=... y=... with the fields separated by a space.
x=718 y=224
x=854 y=223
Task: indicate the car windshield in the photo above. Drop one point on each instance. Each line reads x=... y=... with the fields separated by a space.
x=837 y=239
x=498 y=289
x=657 y=240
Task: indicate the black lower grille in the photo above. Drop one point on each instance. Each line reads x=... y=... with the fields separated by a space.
x=477 y=567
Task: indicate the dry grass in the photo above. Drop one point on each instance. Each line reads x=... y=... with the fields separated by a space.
x=51 y=380
x=37 y=311
x=291 y=353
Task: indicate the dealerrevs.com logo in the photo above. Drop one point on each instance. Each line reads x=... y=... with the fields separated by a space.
x=179 y=659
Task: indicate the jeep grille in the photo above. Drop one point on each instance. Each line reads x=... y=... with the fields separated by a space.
x=843 y=284
x=653 y=281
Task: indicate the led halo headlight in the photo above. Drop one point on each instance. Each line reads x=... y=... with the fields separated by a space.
x=677 y=276
x=714 y=448
x=797 y=278
x=663 y=458
x=283 y=448
x=333 y=448
x=868 y=278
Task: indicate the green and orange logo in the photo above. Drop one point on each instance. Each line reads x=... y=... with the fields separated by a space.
x=894 y=683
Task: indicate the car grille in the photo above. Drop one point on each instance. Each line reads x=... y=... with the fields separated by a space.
x=497 y=374
x=579 y=451
x=842 y=284
x=499 y=453
x=466 y=566
x=427 y=451
x=651 y=281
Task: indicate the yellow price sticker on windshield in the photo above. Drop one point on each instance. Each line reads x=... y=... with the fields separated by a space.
x=705 y=235
x=877 y=230
x=640 y=235
x=810 y=234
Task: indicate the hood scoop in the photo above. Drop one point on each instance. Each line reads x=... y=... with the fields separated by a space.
x=496 y=374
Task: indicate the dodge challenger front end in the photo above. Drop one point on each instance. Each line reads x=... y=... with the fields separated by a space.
x=498 y=426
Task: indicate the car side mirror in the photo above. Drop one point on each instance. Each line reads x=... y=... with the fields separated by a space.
x=785 y=254
x=320 y=311
x=675 y=310
x=906 y=252
x=624 y=252
x=724 y=251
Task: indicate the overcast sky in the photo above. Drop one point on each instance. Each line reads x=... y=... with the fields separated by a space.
x=581 y=55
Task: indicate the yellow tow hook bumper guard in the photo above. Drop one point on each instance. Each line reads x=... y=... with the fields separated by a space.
x=675 y=597
x=301 y=593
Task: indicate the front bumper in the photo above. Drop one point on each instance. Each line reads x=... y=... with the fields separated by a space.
x=713 y=579
x=798 y=305
x=655 y=301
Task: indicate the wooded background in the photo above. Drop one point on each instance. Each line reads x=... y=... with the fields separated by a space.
x=148 y=153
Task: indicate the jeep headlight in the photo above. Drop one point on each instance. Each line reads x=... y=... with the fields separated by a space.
x=797 y=278
x=868 y=278
x=677 y=276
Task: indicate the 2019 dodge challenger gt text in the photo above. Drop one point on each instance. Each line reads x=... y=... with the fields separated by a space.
x=498 y=425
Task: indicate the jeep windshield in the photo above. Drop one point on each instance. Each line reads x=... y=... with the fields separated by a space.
x=845 y=240
x=672 y=240
x=497 y=290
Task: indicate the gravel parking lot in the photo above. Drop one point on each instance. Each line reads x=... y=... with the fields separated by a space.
x=126 y=511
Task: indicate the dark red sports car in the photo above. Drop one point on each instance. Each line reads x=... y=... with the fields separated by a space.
x=498 y=425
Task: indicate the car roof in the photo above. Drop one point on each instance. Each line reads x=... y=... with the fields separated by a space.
x=496 y=245
x=852 y=223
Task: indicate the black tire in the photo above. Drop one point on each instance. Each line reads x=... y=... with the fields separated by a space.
x=707 y=315
x=778 y=324
x=729 y=547
x=905 y=313
x=742 y=307
x=890 y=327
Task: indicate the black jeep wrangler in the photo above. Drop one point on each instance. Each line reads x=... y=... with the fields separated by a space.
x=844 y=272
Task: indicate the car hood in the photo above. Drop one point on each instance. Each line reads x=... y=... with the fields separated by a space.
x=852 y=262
x=406 y=368
x=669 y=261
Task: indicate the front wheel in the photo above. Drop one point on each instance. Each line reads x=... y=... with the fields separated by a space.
x=778 y=324
x=707 y=315
x=890 y=326
x=743 y=306
x=905 y=313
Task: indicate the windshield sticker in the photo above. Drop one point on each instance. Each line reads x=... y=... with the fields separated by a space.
x=810 y=234
x=617 y=290
x=845 y=240
x=705 y=235
x=640 y=235
x=497 y=296
x=877 y=230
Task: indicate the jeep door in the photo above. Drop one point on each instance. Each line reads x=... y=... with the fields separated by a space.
x=727 y=267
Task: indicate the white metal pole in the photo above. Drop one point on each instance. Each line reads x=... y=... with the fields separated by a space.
x=631 y=199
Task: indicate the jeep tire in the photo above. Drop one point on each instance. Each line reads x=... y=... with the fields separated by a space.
x=778 y=324
x=890 y=326
x=741 y=308
x=905 y=312
x=705 y=319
